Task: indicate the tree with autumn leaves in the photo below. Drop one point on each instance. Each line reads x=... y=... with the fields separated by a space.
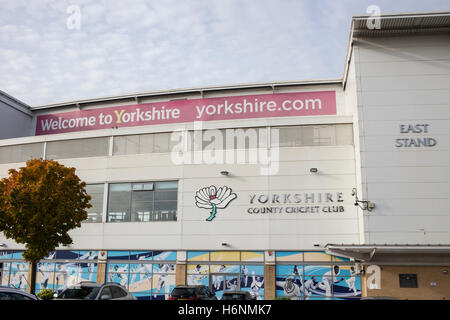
x=39 y=204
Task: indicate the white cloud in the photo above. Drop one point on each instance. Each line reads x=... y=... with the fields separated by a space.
x=137 y=46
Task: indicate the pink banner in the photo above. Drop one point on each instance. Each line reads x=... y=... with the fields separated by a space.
x=224 y=108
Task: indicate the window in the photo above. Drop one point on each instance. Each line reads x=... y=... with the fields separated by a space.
x=143 y=201
x=117 y=292
x=144 y=143
x=408 y=280
x=13 y=296
x=79 y=148
x=314 y=135
x=106 y=292
x=21 y=153
x=96 y=211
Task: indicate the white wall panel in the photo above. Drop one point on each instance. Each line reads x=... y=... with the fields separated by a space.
x=404 y=80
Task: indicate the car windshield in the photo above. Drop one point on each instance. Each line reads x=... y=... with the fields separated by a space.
x=183 y=292
x=86 y=293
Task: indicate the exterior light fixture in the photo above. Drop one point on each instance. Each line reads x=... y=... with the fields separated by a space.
x=313 y=170
x=3 y=245
x=363 y=204
x=224 y=173
x=224 y=244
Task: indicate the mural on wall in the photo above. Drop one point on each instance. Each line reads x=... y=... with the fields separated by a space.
x=227 y=271
x=16 y=272
x=51 y=273
x=213 y=199
x=148 y=275
x=76 y=267
x=298 y=282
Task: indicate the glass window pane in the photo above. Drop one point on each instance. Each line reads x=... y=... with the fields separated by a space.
x=146 y=143
x=165 y=210
x=166 y=185
x=289 y=136
x=327 y=135
x=310 y=136
x=142 y=196
x=142 y=211
x=344 y=134
x=166 y=195
x=96 y=193
x=161 y=142
x=119 y=202
x=79 y=148
x=21 y=153
x=126 y=145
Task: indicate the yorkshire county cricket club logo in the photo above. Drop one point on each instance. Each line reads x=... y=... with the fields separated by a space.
x=213 y=198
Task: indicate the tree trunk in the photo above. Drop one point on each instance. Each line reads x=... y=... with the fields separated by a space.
x=33 y=277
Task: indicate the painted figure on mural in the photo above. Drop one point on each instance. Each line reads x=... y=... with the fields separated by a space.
x=245 y=273
x=232 y=284
x=328 y=279
x=352 y=280
x=122 y=275
x=91 y=255
x=19 y=277
x=308 y=287
x=163 y=280
x=62 y=275
x=44 y=269
x=256 y=286
x=196 y=276
x=216 y=279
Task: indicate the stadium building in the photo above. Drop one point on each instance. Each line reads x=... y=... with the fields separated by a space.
x=315 y=189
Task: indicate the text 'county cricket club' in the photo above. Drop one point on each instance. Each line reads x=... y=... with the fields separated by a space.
x=213 y=198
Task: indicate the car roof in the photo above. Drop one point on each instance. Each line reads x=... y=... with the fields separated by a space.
x=94 y=284
x=86 y=284
x=15 y=290
x=192 y=286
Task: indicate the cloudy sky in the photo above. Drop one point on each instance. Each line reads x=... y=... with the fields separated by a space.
x=133 y=46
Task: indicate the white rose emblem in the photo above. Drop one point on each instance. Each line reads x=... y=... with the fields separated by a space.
x=212 y=198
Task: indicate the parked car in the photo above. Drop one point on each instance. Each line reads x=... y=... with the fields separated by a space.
x=8 y=293
x=95 y=291
x=237 y=295
x=198 y=292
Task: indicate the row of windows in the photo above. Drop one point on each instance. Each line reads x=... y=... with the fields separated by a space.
x=134 y=202
x=288 y=136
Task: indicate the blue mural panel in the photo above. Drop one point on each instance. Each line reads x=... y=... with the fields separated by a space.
x=290 y=269
x=6 y=255
x=67 y=254
x=118 y=255
x=165 y=255
x=289 y=286
x=141 y=255
x=45 y=276
x=255 y=285
x=18 y=275
x=349 y=288
x=17 y=255
x=162 y=286
x=198 y=256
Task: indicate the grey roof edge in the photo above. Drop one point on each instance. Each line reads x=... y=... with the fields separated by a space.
x=387 y=245
x=205 y=89
x=15 y=103
x=404 y=15
x=397 y=15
